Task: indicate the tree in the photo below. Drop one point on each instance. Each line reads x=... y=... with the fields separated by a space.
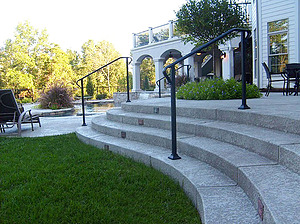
x=147 y=72
x=96 y=55
x=90 y=87
x=200 y=21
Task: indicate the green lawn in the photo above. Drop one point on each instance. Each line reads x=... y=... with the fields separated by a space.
x=61 y=180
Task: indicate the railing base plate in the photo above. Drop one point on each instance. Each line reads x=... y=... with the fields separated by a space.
x=174 y=157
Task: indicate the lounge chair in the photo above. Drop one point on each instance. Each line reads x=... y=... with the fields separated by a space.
x=274 y=77
x=12 y=114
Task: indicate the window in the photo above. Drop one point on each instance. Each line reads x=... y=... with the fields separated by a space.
x=278 y=45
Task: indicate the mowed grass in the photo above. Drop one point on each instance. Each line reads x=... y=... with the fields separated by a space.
x=59 y=179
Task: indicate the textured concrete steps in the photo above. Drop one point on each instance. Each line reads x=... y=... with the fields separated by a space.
x=274 y=115
x=215 y=195
x=231 y=160
x=256 y=151
x=278 y=146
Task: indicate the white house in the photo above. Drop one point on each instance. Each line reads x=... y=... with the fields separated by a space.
x=276 y=36
x=275 y=40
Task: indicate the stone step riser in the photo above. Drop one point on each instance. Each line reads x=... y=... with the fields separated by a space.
x=264 y=148
x=134 y=136
x=267 y=121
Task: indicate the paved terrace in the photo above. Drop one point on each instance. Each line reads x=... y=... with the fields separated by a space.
x=275 y=104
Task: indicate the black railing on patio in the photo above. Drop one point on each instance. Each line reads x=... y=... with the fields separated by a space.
x=171 y=80
x=128 y=61
x=158 y=82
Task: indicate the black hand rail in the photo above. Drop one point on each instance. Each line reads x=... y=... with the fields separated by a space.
x=97 y=70
x=158 y=84
x=188 y=69
x=171 y=80
x=158 y=81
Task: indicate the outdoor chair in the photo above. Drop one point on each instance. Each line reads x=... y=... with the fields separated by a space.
x=274 y=77
x=292 y=73
x=12 y=114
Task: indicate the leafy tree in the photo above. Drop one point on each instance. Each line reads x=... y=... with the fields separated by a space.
x=147 y=71
x=200 y=21
x=96 y=55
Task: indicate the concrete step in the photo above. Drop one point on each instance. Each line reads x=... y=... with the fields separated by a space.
x=228 y=158
x=215 y=195
x=262 y=115
x=284 y=148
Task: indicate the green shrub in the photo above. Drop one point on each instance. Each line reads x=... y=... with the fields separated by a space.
x=57 y=97
x=101 y=96
x=90 y=87
x=216 y=89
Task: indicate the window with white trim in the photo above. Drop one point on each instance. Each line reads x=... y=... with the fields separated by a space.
x=278 y=45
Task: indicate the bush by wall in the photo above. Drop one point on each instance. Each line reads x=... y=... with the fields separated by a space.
x=216 y=89
x=57 y=97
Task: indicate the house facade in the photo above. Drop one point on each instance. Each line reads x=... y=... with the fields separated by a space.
x=275 y=41
x=275 y=36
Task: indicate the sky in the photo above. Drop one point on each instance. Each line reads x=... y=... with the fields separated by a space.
x=70 y=23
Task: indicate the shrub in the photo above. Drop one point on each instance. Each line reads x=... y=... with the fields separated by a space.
x=90 y=87
x=181 y=80
x=101 y=96
x=216 y=89
x=57 y=97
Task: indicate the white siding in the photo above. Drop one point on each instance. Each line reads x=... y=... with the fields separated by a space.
x=272 y=10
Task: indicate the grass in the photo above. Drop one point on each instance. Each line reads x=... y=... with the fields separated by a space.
x=58 y=179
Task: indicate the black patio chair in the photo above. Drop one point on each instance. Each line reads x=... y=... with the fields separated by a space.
x=12 y=114
x=292 y=71
x=274 y=77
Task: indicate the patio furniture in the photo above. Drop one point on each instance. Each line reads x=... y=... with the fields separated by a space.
x=12 y=114
x=292 y=73
x=274 y=77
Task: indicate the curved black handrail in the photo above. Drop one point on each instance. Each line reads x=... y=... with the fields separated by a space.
x=158 y=84
x=97 y=70
x=171 y=80
x=158 y=81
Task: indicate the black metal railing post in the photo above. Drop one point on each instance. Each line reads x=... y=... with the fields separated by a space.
x=82 y=102
x=244 y=105
x=171 y=80
x=127 y=78
x=174 y=154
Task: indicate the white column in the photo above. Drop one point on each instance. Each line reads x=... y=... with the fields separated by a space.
x=228 y=60
x=136 y=77
x=171 y=34
x=150 y=35
x=134 y=40
x=159 y=65
x=191 y=62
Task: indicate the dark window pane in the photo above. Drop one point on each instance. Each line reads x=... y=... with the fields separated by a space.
x=278 y=63
x=278 y=25
x=278 y=43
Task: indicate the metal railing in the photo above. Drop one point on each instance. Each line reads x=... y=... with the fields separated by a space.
x=171 y=80
x=158 y=82
x=159 y=86
x=97 y=70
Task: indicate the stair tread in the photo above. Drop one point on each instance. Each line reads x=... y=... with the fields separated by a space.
x=234 y=154
x=285 y=146
x=221 y=199
x=244 y=161
x=279 y=189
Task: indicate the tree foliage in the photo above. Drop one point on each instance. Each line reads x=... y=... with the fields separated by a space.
x=200 y=21
x=147 y=72
x=30 y=62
